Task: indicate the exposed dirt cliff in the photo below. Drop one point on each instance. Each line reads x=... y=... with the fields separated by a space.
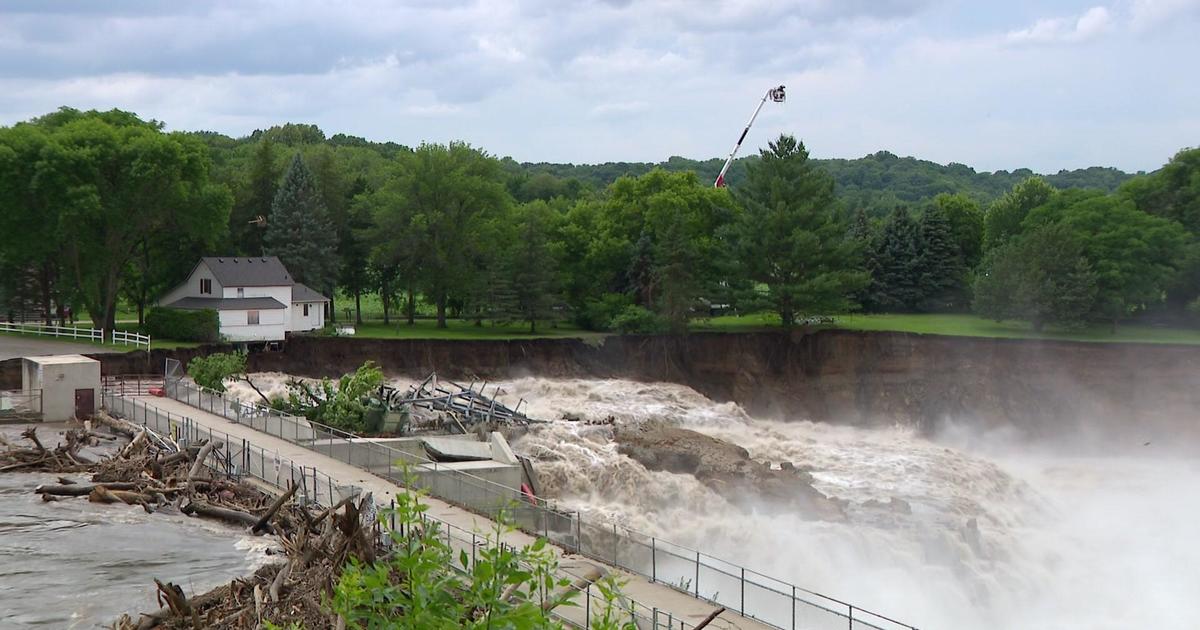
x=1039 y=387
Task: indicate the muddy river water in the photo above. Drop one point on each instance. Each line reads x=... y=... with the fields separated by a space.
x=74 y=564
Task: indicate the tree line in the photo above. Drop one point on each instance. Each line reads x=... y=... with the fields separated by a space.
x=104 y=207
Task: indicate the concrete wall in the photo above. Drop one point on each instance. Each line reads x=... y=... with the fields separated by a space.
x=482 y=485
x=191 y=286
x=272 y=325
x=314 y=320
x=58 y=382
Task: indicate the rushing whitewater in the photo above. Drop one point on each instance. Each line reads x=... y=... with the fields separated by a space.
x=944 y=533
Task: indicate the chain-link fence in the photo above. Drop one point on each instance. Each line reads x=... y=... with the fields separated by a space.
x=239 y=458
x=750 y=593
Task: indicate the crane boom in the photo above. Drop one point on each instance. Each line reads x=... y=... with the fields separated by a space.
x=777 y=95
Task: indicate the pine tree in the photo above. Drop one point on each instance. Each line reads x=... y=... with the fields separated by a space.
x=255 y=201
x=895 y=285
x=791 y=238
x=298 y=230
x=942 y=273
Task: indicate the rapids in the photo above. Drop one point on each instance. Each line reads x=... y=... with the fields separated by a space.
x=975 y=531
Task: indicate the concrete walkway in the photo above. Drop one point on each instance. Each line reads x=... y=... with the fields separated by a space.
x=670 y=603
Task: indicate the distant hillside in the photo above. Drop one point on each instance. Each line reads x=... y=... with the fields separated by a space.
x=876 y=183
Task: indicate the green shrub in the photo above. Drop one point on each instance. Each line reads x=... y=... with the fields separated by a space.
x=637 y=320
x=181 y=325
x=598 y=314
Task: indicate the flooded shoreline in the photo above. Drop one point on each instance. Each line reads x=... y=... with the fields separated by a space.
x=77 y=564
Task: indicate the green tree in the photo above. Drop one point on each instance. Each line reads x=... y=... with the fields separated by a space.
x=1173 y=192
x=341 y=404
x=299 y=232
x=1004 y=217
x=254 y=200
x=30 y=235
x=896 y=266
x=440 y=195
x=966 y=225
x=354 y=247
x=790 y=236
x=114 y=178
x=1042 y=277
x=534 y=262
x=213 y=370
x=943 y=275
x=1135 y=255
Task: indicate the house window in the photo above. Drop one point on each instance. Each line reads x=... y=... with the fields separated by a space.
x=241 y=292
x=251 y=318
x=306 y=310
x=206 y=285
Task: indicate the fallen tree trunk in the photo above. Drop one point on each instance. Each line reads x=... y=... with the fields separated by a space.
x=275 y=505
x=197 y=508
x=82 y=490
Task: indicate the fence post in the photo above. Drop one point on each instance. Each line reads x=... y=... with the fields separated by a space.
x=653 y=562
x=615 y=545
x=793 y=607
x=697 y=574
x=743 y=584
x=851 y=617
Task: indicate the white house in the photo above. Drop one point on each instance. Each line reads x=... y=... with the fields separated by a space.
x=256 y=299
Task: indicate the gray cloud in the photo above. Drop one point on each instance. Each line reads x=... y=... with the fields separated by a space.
x=594 y=80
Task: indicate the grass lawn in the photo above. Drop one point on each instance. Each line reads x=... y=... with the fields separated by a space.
x=970 y=326
x=457 y=329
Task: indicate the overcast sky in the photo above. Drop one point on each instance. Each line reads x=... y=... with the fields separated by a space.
x=996 y=84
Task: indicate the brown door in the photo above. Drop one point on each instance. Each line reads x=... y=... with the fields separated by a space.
x=85 y=403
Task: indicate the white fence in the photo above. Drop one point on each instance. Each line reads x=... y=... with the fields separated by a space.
x=73 y=332
x=70 y=332
x=130 y=338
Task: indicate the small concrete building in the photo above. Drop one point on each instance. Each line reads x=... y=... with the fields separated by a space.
x=70 y=385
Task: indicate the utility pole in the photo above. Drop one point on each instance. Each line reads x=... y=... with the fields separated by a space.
x=777 y=95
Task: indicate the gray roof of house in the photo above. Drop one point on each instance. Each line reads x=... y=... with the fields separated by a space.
x=301 y=293
x=227 y=304
x=261 y=271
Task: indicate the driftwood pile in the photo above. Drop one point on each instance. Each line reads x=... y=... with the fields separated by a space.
x=154 y=473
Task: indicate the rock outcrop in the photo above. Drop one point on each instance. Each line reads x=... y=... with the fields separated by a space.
x=726 y=468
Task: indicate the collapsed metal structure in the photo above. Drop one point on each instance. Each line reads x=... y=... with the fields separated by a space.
x=449 y=406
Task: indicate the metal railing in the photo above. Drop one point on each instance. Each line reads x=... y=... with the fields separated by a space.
x=239 y=458
x=134 y=384
x=745 y=591
x=70 y=332
x=130 y=338
x=24 y=404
